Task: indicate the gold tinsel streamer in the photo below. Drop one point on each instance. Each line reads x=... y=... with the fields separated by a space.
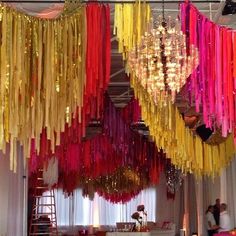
x=130 y=23
x=71 y=6
x=124 y=179
x=166 y=125
x=42 y=76
x=186 y=151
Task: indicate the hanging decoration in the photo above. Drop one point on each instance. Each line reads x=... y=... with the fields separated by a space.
x=160 y=62
x=98 y=60
x=187 y=152
x=120 y=186
x=42 y=77
x=166 y=126
x=119 y=146
x=174 y=179
x=130 y=23
x=70 y=6
x=213 y=83
x=44 y=93
x=137 y=150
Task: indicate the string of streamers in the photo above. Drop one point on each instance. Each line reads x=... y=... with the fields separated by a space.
x=119 y=146
x=42 y=73
x=168 y=129
x=98 y=74
x=96 y=159
x=213 y=85
x=187 y=152
x=136 y=149
x=120 y=186
x=130 y=22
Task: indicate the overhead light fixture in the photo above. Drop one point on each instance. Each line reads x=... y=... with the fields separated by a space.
x=230 y=8
x=162 y=62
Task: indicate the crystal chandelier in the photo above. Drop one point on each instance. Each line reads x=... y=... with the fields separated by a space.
x=161 y=62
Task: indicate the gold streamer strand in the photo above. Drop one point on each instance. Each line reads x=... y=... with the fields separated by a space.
x=41 y=77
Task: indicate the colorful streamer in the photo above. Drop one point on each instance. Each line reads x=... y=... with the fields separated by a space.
x=42 y=77
x=119 y=146
x=187 y=152
x=213 y=83
x=130 y=23
x=167 y=127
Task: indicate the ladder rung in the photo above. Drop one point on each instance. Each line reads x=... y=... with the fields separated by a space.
x=43 y=233
x=44 y=196
x=45 y=213
x=42 y=223
x=39 y=226
x=51 y=230
x=52 y=222
x=44 y=205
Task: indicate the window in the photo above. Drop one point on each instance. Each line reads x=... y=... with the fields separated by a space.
x=77 y=210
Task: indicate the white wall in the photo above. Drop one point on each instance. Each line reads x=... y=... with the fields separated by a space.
x=12 y=197
x=4 y=193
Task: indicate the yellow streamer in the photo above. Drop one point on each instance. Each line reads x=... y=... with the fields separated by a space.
x=42 y=75
x=130 y=22
x=186 y=151
x=165 y=123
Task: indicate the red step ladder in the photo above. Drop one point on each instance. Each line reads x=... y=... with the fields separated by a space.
x=43 y=218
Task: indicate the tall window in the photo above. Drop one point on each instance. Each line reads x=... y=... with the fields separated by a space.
x=77 y=210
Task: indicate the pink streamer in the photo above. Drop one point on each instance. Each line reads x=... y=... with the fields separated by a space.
x=213 y=84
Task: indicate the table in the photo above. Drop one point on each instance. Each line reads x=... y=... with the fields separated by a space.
x=223 y=234
x=156 y=232
x=128 y=234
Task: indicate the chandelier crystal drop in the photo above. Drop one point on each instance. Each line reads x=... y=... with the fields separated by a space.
x=161 y=62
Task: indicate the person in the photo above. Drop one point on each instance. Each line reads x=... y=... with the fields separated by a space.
x=210 y=221
x=216 y=212
x=225 y=222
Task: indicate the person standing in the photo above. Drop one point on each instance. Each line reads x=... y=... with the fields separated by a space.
x=210 y=221
x=225 y=222
x=216 y=212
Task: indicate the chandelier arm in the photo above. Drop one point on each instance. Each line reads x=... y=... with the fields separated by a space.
x=163 y=10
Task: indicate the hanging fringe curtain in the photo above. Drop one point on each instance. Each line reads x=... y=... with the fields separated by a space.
x=118 y=146
x=187 y=152
x=130 y=23
x=42 y=74
x=213 y=83
x=167 y=127
x=97 y=79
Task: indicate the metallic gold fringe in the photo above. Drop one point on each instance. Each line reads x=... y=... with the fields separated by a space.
x=71 y=6
x=42 y=76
